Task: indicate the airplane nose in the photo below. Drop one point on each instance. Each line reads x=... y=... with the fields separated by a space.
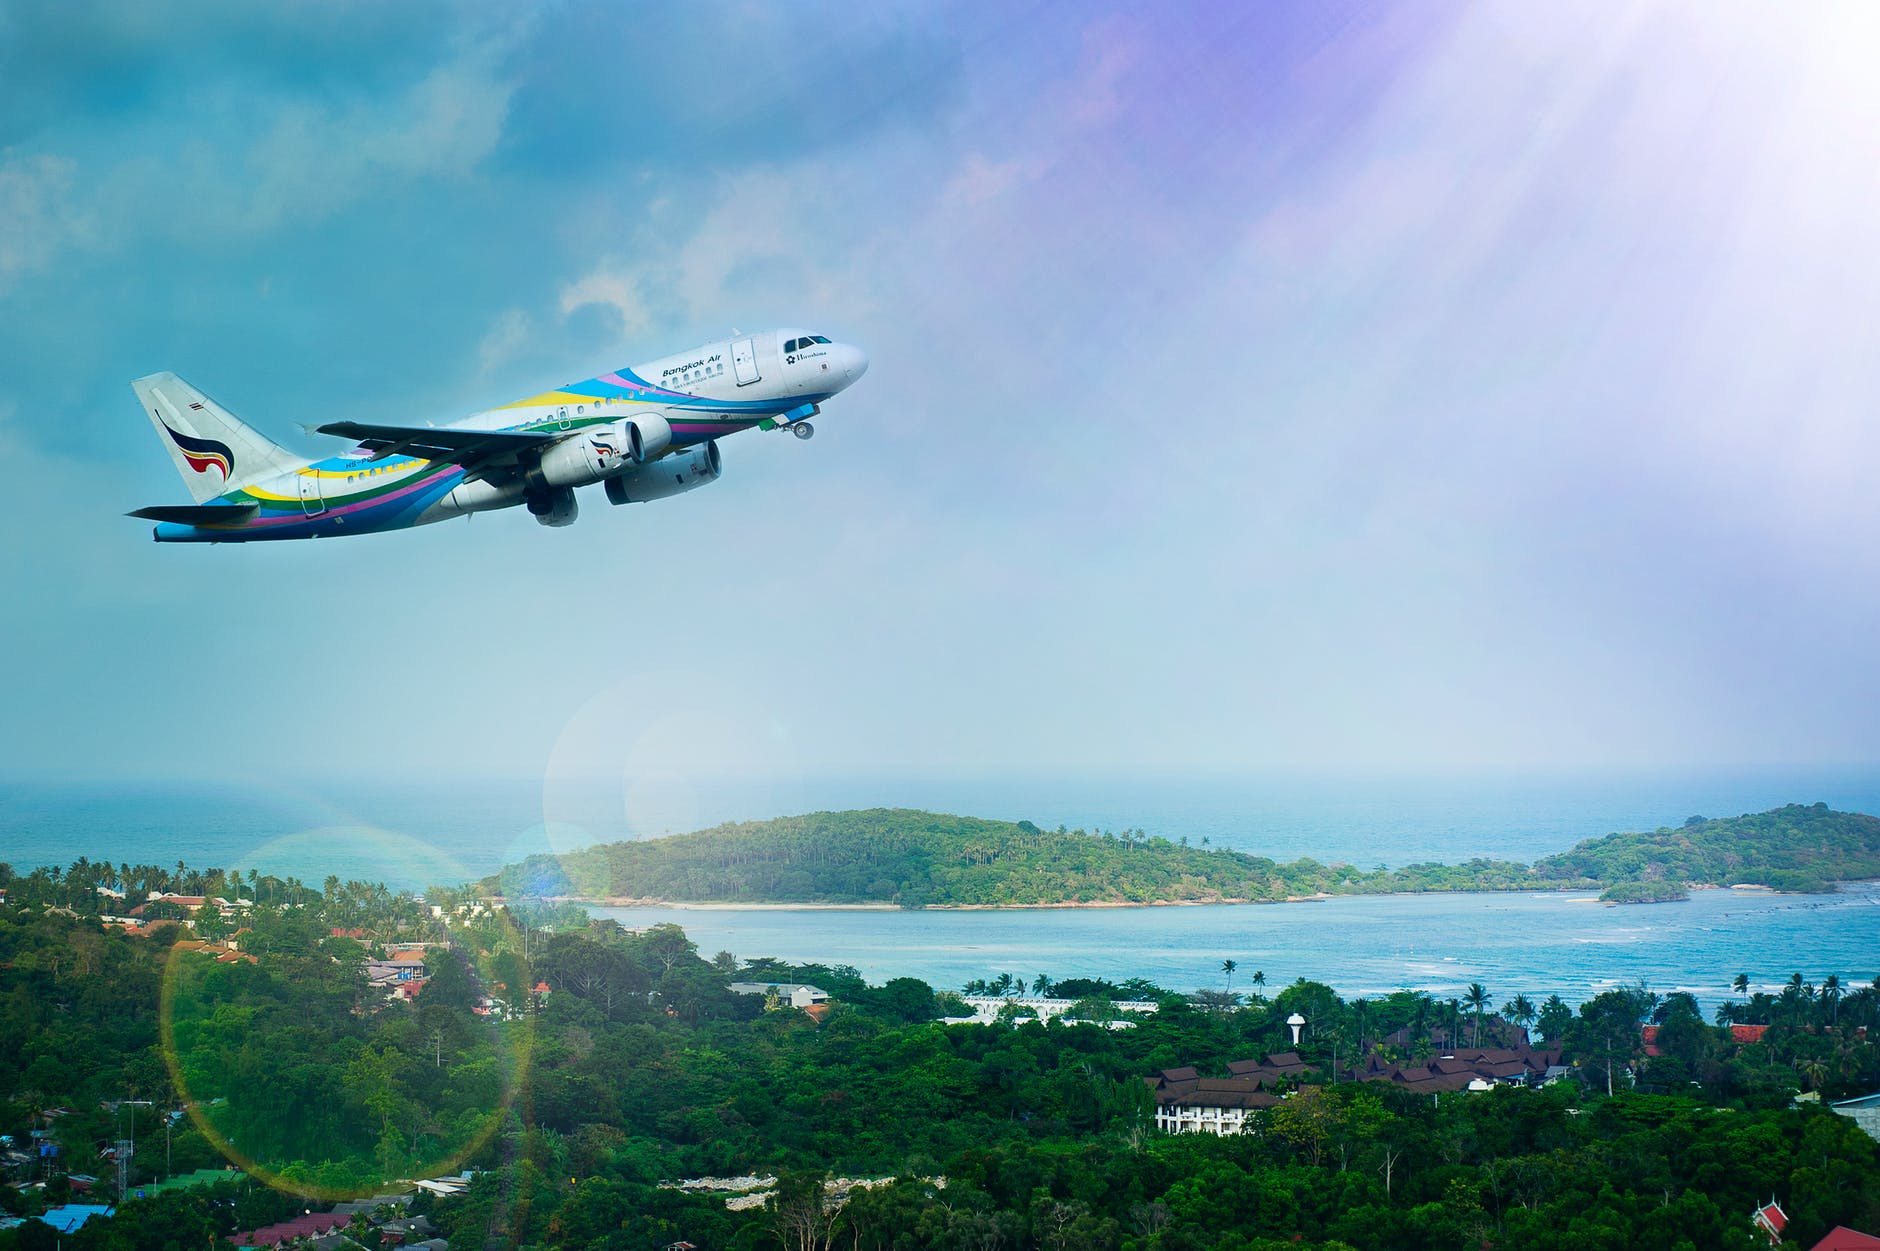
x=854 y=362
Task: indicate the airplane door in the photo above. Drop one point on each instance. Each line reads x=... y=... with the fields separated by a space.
x=312 y=500
x=744 y=362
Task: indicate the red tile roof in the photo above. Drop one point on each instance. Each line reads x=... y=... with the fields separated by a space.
x=299 y=1227
x=1841 y=1238
x=1771 y=1219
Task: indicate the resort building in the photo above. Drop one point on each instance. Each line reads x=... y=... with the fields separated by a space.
x=794 y=994
x=1188 y=1103
x=986 y=1008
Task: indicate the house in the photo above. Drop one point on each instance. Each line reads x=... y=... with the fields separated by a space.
x=201 y=1177
x=312 y=1225
x=1771 y=1220
x=1841 y=1238
x=796 y=994
x=1187 y=1102
x=404 y=1230
x=221 y=953
x=1864 y=1111
x=163 y=903
x=71 y=1216
x=1739 y=1034
x=397 y=969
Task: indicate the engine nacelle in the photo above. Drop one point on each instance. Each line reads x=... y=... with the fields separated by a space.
x=553 y=508
x=672 y=476
x=647 y=437
x=601 y=453
x=584 y=458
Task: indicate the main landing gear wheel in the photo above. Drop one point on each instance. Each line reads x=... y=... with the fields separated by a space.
x=803 y=430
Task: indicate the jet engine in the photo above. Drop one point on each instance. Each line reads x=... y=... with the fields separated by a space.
x=674 y=475
x=556 y=507
x=647 y=437
x=601 y=453
x=579 y=460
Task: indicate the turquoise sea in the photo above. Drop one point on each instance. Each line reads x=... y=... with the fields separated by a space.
x=1541 y=943
x=436 y=832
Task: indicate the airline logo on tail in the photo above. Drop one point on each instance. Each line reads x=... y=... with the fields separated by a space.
x=203 y=454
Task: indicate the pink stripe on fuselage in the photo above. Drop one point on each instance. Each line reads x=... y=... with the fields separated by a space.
x=387 y=498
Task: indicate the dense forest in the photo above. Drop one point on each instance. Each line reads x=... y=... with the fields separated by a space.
x=1793 y=848
x=581 y=1069
x=922 y=859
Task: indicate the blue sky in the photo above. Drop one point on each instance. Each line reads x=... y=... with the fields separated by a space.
x=1255 y=388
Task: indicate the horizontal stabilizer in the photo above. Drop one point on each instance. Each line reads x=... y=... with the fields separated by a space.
x=199 y=514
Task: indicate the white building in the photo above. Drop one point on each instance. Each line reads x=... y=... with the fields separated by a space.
x=986 y=1008
x=796 y=994
x=1864 y=1112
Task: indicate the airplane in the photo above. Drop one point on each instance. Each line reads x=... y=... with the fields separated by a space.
x=644 y=433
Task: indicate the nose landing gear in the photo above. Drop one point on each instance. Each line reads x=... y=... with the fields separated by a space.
x=803 y=430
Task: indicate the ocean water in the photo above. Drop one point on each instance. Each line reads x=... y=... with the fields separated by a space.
x=1539 y=943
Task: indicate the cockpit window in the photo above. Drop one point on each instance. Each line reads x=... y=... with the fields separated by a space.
x=816 y=338
x=791 y=345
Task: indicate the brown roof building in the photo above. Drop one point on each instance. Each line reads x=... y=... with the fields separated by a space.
x=1186 y=1102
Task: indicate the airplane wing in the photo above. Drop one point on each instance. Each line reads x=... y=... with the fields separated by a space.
x=473 y=449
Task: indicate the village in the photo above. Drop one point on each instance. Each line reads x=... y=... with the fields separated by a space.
x=395 y=949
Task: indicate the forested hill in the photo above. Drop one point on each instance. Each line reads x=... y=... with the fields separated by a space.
x=900 y=856
x=916 y=859
x=1795 y=848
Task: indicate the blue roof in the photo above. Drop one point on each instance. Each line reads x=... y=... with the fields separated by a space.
x=72 y=1215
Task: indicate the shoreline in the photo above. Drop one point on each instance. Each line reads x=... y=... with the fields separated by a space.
x=686 y=905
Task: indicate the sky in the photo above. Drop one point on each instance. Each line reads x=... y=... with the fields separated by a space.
x=1318 y=387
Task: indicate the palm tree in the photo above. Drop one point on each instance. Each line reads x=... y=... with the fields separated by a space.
x=1476 y=998
x=1831 y=995
x=1741 y=985
x=1228 y=967
x=1520 y=1010
x=1259 y=978
x=1041 y=984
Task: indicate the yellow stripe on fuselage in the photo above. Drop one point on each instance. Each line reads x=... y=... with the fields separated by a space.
x=553 y=397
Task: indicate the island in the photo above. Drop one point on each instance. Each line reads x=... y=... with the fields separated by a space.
x=899 y=857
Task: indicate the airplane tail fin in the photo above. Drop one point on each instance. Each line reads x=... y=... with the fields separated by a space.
x=213 y=450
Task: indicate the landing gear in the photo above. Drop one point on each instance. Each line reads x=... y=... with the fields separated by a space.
x=803 y=430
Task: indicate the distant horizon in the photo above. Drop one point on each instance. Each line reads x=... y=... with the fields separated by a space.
x=1485 y=773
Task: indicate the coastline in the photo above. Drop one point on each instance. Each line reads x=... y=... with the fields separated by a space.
x=687 y=905
x=1591 y=894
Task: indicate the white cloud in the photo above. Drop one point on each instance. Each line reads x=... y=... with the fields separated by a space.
x=613 y=285
x=504 y=342
x=39 y=214
x=316 y=156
